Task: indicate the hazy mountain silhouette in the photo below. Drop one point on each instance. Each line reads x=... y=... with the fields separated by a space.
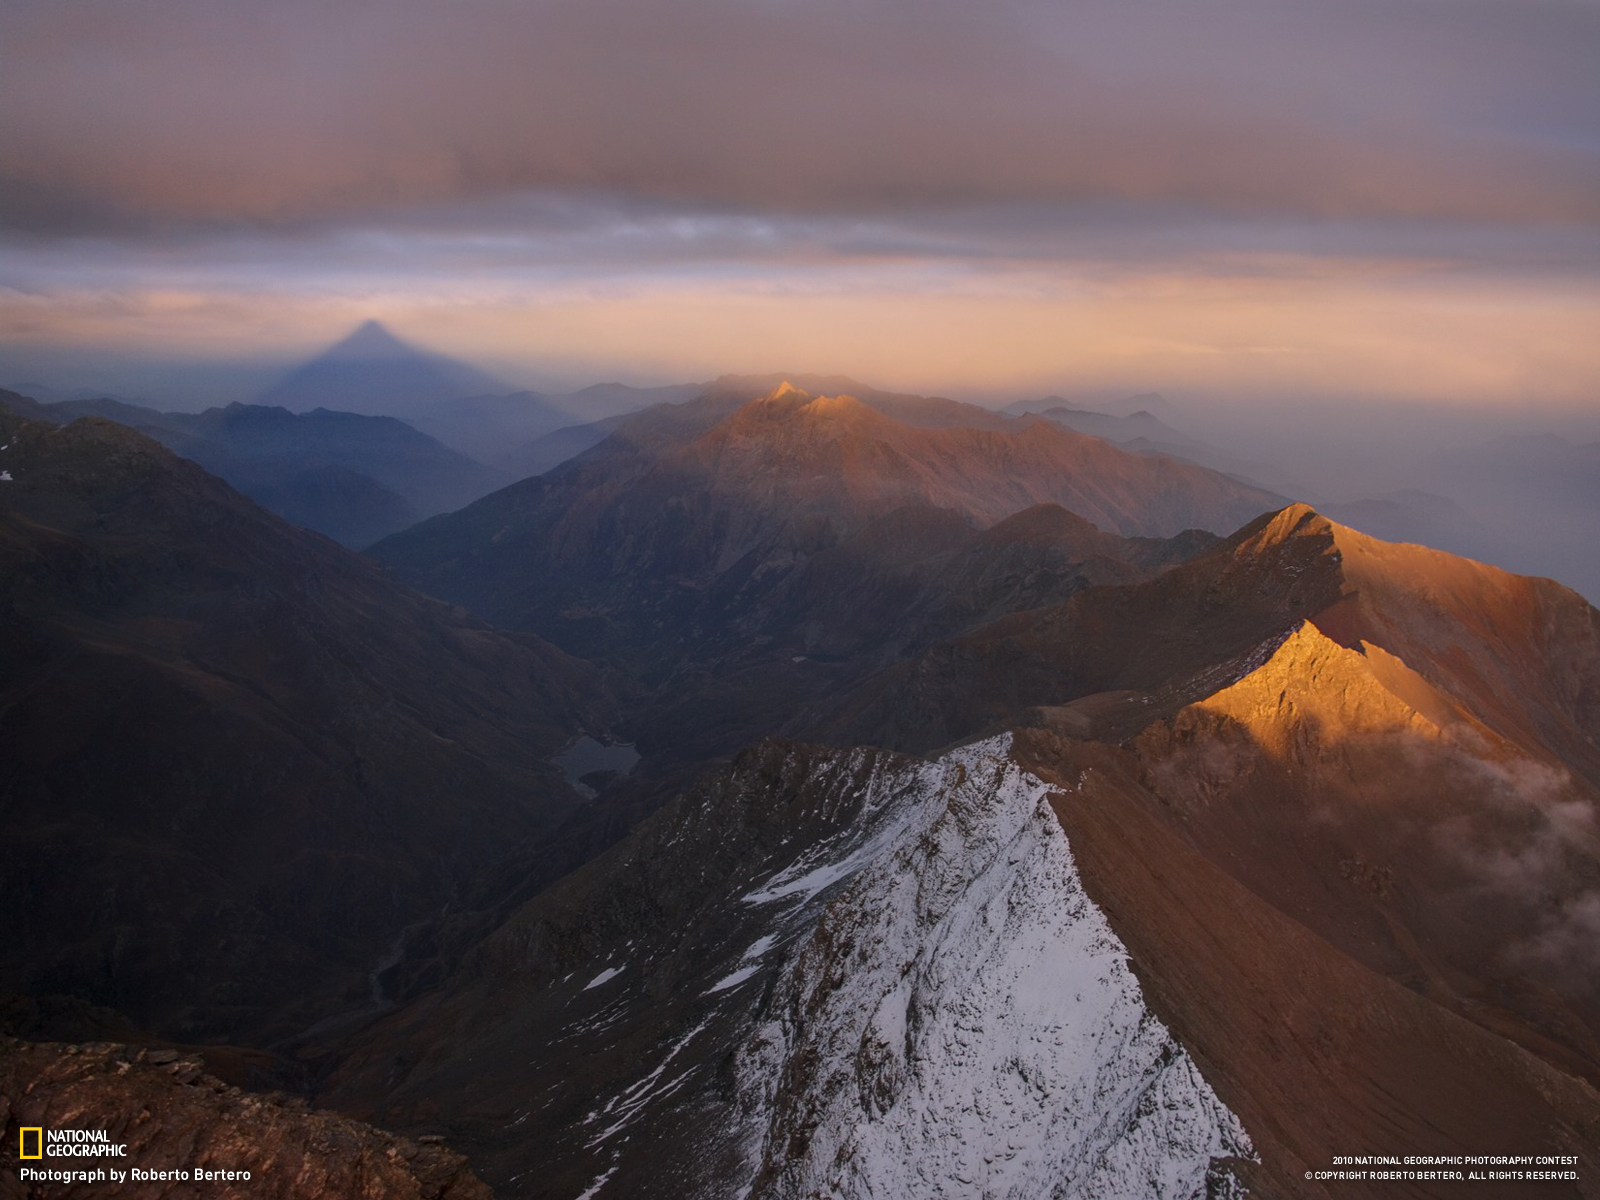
x=355 y=478
x=372 y=371
x=502 y=430
x=722 y=500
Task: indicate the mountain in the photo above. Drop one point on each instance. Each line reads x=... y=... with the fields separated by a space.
x=374 y=372
x=942 y=810
x=1137 y=426
x=745 y=560
x=1165 y=638
x=1472 y=693
x=1413 y=515
x=1534 y=498
x=355 y=478
x=834 y=972
x=503 y=430
x=242 y=768
x=1289 y=847
x=528 y=433
x=713 y=505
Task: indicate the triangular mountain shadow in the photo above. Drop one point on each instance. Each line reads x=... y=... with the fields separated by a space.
x=373 y=371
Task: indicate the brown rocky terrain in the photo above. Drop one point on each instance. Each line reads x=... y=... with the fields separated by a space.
x=174 y=1117
x=1523 y=654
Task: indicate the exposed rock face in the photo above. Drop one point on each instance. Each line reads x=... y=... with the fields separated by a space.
x=963 y=1022
x=171 y=1116
x=237 y=760
x=899 y=989
x=1342 y=787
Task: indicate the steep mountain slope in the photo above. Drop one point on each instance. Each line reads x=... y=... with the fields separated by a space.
x=843 y=972
x=1334 y=797
x=1315 y=1046
x=1523 y=654
x=355 y=478
x=693 y=522
x=236 y=762
x=818 y=971
x=1449 y=712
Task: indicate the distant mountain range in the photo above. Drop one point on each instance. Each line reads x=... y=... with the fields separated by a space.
x=355 y=478
x=791 y=541
x=512 y=432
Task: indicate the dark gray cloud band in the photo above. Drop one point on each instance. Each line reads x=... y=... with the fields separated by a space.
x=152 y=117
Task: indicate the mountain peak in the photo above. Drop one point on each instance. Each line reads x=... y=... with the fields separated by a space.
x=371 y=340
x=371 y=370
x=1345 y=691
x=1297 y=519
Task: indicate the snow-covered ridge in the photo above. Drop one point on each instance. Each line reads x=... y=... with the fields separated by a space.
x=962 y=1021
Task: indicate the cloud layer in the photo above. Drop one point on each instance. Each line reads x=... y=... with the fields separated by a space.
x=1269 y=195
x=120 y=116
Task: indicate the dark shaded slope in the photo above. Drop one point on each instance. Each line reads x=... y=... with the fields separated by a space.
x=1332 y=794
x=355 y=478
x=235 y=760
x=657 y=920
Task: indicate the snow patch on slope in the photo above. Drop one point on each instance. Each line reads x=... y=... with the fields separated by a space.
x=963 y=1022
x=605 y=976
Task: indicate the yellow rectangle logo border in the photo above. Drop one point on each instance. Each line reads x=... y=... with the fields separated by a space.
x=22 y=1141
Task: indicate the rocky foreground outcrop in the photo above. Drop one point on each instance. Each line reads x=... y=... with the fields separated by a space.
x=173 y=1117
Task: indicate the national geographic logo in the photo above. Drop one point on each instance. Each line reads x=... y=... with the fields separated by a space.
x=68 y=1143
